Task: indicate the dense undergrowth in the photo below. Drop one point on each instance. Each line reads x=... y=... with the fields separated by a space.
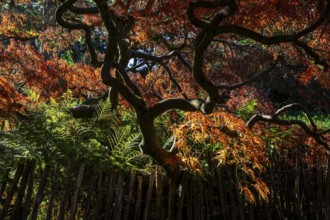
x=110 y=139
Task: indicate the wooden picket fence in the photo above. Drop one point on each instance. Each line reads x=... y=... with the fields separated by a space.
x=80 y=191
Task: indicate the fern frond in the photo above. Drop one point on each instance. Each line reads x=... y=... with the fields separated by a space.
x=135 y=143
x=103 y=110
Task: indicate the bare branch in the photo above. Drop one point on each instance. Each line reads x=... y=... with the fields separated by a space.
x=154 y=92
x=314 y=133
x=127 y=80
x=312 y=55
x=250 y=80
x=229 y=28
x=172 y=79
x=291 y=38
x=183 y=61
x=299 y=106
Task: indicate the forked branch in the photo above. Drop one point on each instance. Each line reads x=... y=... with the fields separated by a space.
x=313 y=132
x=250 y=80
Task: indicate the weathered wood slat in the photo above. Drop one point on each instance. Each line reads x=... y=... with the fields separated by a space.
x=211 y=208
x=40 y=192
x=231 y=194
x=223 y=201
x=201 y=198
x=12 y=190
x=100 y=196
x=171 y=200
x=66 y=187
x=29 y=192
x=327 y=195
x=159 y=194
x=147 y=210
x=119 y=197
x=111 y=192
x=297 y=191
x=77 y=191
x=130 y=196
x=4 y=182
x=320 y=193
x=307 y=188
x=196 y=206
x=90 y=192
x=138 y=199
x=277 y=169
x=21 y=191
x=238 y=194
x=181 y=196
x=54 y=185
x=190 y=201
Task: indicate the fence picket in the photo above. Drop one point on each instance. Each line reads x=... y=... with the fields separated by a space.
x=297 y=191
x=119 y=197
x=327 y=195
x=40 y=192
x=138 y=199
x=12 y=190
x=131 y=191
x=159 y=194
x=190 y=201
x=21 y=191
x=171 y=200
x=111 y=191
x=181 y=196
x=76 y=193
x=54 y=185
x=100 y=196
x=66 y=187
x=146 y=212
x=29 y=192
x=4 y=182
x=223 y=200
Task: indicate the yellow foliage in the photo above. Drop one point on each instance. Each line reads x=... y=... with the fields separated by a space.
x=248 y=194
x=236 y=146
x=141 y=37
x=262 y=189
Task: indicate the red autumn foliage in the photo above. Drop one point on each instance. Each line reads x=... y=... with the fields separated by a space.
x=200 y=56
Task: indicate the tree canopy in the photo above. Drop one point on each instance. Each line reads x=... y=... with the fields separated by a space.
x=217 y=68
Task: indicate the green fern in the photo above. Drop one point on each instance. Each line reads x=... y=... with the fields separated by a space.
x=103 y=110
x=125 y=151
x=52 y=134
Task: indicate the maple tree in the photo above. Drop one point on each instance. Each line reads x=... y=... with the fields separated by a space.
x=194 y=56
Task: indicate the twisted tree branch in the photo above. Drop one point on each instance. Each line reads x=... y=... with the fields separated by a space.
x=314 y=132
x=77 y=26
